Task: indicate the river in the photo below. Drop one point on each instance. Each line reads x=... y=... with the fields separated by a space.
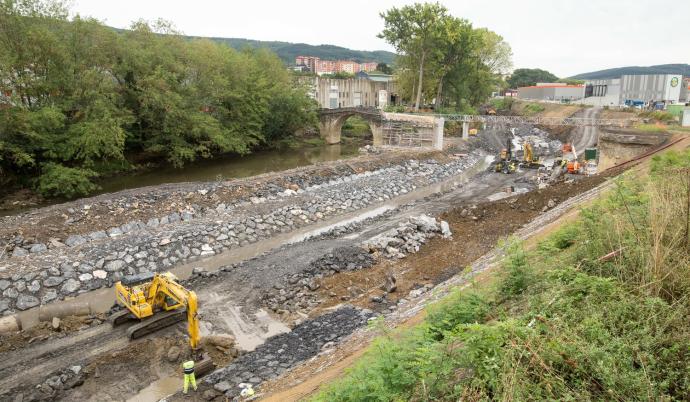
x=221 y=168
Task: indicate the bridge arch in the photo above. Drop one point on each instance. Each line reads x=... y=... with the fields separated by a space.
x=331 y=123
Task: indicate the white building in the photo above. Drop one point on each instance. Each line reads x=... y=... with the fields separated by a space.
x=552 y=92
x=645 y=89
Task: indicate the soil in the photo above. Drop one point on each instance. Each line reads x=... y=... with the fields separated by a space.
x=475 y=231
x=150 y=358
x=617 y=114
x=45 y=330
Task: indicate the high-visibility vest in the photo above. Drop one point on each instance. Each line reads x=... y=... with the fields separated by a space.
x=188 y=367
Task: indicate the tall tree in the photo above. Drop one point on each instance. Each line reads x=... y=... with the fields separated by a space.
x=413 y=30
x=525 y=77
x=452 y=48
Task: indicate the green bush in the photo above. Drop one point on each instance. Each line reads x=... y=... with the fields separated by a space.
x=61 y=181
x=517 y=272
x=505 y=103
x=671 y=159
x=658 y=115
x=457 y=309
x=394 y=109
x=532 y=109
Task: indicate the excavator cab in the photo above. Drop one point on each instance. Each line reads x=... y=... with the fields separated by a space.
x=157 y=300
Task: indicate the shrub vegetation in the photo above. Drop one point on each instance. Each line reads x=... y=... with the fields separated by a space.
x=76 y=94
x=598 y=311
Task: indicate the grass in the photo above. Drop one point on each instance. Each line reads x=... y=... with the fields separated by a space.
x=652 y=128
x=597 y=311
x=531 y=109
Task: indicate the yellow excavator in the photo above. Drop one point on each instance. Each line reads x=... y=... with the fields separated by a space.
x=506 y=164
x=157 y=300
x=529 y=161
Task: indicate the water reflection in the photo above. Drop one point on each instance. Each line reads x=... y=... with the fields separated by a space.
x=234 y=166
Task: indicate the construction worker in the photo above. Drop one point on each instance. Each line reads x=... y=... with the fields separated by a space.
x=188 y=367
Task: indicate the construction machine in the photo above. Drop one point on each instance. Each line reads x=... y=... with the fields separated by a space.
x=506 y=164
x=157 y=300
x=528 y=160
x=574 y=166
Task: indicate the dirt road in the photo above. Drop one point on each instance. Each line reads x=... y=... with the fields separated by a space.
x=586 y=136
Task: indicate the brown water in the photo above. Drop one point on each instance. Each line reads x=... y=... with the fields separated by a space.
x=221 y=168
x=234 y=166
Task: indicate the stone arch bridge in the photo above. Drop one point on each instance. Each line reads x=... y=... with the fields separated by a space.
x=331 y=122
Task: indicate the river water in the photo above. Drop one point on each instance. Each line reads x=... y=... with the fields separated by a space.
x=221 y=168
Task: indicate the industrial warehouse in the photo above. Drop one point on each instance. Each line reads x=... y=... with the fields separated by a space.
x=652 y=90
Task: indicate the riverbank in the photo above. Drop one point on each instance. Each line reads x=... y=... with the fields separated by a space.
x=297 y=152
x=103 y=238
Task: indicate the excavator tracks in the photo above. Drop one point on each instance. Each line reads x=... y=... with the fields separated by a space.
x=153 y=324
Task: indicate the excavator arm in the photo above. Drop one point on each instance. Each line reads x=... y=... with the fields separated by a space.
x=170 y=295
x=158 y=300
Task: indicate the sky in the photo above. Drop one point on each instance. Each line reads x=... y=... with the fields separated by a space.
x=565 y=37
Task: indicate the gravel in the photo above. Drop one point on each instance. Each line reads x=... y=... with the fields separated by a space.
x=179 y=237
x=282 y=352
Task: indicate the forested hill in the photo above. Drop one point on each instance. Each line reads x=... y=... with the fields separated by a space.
x=288 y=51
x=683 y=69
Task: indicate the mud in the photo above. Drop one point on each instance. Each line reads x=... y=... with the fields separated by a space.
x=282 y=352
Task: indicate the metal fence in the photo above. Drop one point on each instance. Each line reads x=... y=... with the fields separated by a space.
x=547 y=121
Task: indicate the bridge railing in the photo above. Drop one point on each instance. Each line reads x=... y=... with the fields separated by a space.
x=547 y=121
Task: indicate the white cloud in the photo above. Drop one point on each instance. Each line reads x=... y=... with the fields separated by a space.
x=565 y=37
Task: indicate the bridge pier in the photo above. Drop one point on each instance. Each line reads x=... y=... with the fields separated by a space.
x=465 y=130
x=377 y=132
x=330 y=128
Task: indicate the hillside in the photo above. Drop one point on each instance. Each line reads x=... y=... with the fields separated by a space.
x=617 y=72
x=288 y=51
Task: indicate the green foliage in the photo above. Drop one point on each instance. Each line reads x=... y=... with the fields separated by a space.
x=658 y=115
x=505 y=103
x=84 y=95
x=289 y=51
x=651 y=128
x=518 y=273
x=356 y=125
x=571 y=81
x=531 y=109
x=565 y=323
x=65 y=182
x=341 y=75
x=443 y=59
x=395 y=109
x=384 y=68
x=456 y=309
x=525 y=77
x=670 y=159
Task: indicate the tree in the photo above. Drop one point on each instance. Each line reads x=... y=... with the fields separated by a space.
x=453 y=48
x=524 y=77
x=413 y=30
x=77 y=95
x=384 y=68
